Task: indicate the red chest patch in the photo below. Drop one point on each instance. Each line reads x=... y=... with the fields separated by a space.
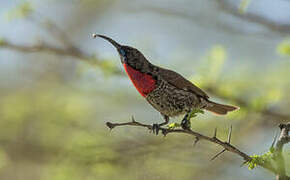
x=144 y=83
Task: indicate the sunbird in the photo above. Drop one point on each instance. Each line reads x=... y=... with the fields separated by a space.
x=167 y=91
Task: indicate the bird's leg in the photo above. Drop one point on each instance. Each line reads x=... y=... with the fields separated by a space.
x=166 y=120
x=185 y=123
x=156 y=127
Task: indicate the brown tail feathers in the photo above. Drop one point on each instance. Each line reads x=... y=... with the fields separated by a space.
x=220 y=109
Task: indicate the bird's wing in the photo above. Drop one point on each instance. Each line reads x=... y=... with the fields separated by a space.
x=180 y=82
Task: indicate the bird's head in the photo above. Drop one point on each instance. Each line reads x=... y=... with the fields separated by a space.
x=127 y=54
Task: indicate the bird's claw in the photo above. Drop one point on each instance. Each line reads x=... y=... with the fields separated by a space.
x=185 y=124
x=155 y=128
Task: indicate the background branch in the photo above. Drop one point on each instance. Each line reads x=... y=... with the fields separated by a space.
x=227 y=7
x=283 y=29
x=44 y=47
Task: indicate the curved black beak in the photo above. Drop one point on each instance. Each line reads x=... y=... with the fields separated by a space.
x=114 y=43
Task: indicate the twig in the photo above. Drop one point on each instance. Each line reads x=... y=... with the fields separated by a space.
x=226 y=145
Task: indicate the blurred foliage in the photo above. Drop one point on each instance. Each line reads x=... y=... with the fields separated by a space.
x=3 y=158
x=108 y=67
x=271 y=88
x=55 y=126
x=20 y=11
x=2 y=41
x=269 y=97
x=212 y=66
x=214 y=62
x=284 y=48
x=63 y=125
x=244 y=4
x=52 y=115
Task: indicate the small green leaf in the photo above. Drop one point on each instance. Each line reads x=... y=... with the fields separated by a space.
x=260 y=159
x=194 y=113
x=173 y=125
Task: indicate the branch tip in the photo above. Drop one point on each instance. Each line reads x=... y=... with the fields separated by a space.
x=110 y=125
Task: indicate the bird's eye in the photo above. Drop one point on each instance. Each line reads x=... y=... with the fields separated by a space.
x=122 y=51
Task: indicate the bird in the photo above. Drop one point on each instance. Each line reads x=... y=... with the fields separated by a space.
x=165 y=90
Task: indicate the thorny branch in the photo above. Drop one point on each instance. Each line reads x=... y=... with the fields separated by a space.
x=199 y=136
x=225 y=144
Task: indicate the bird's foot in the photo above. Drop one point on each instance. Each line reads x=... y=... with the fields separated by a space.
x=156 y=128
x=185 y=123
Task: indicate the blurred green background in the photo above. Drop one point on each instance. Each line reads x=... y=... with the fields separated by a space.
x=58 y=86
